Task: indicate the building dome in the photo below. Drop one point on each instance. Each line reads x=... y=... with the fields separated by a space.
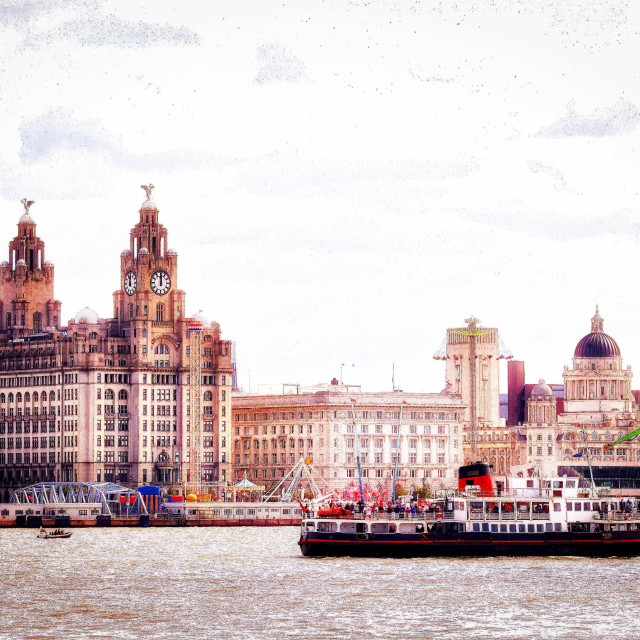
x=143 y=251
x=48 y=263
x=597 y=344
x=26 y=217
x=126 y=252
x=5 y=263
x=172 y=252
x=21 y=263
x=202 y=318
x=542 y=389
x=86 y=316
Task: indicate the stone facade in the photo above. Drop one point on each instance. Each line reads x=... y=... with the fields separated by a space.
x=108 y=399
x=272 y=432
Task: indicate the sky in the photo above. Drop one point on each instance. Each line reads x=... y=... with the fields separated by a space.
x=342 y=180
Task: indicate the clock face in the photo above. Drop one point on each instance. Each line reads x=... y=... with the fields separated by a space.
x=130 y=283
x=160 y=282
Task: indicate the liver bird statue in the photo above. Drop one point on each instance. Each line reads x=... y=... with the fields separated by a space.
x=27 y=204
x=147 y=189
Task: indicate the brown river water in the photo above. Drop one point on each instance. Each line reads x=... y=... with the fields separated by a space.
x=253 y=583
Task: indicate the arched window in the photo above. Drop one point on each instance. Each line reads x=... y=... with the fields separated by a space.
x=163 y=457
x=27 y=397
x=108 y=394
x=122 y=395
x=93 y=335
x=8 y=320
x=52 y=396
x=208 y=396
x=11 y=397
x=2 y=398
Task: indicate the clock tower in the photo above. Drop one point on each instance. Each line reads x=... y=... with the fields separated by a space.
x=149 y=273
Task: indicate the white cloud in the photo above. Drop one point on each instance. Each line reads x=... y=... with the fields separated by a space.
x=279 y=65
x=621 y=118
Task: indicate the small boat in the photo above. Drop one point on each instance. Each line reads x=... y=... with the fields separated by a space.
x=58 y=533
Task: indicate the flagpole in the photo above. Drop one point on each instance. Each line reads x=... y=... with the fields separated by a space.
x=594 y=492
x=395 y=470
x=355 y=433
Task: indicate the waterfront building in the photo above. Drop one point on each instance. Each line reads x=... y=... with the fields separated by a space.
x=472 y=355
x=272 y=432
x=597 y=407
x=109 y=399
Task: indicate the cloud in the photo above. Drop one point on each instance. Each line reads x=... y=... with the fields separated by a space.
x=55 y=133
x=20 y=12
x=94 y=30
x=286 y=172
x=559 y=181
x=617 y=120
x=279 y=66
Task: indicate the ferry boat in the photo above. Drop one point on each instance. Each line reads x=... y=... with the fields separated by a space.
x=523 y=516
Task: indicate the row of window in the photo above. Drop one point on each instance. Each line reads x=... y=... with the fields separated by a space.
x=378 y=458
x=33 y=443
x=28 y=458
x=27 y=427
x=379 y=443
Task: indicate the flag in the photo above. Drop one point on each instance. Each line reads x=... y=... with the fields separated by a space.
x=194 y=326
x=352 y=400
x=578 y=455
x=559 y=437
x=521 y=436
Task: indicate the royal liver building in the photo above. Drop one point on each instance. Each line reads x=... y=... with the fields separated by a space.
x=117 y=398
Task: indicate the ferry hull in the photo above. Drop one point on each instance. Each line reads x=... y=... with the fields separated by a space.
x=619 y=543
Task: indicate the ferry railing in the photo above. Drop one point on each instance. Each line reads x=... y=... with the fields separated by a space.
x=383 y=515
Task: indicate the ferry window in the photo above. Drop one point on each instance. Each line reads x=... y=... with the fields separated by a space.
x=540 y=528
x=531 y=528
x=577 y=506
x=557 y=484
x=494 y=528
x=521 y=528
x=549 y=526
x=529 y=484
x=503 y=528
x=571 y=484
x=557 y=506
x=476 y=526
x=569 y=506
x=587 y=506
x=347 y=527
x=286 y=512
x=485 y=526
x=557 y=526
x=379 y=527
x=512 y=528
x=327 y=527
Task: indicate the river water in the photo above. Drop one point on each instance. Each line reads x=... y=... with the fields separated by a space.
x=253 y=583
